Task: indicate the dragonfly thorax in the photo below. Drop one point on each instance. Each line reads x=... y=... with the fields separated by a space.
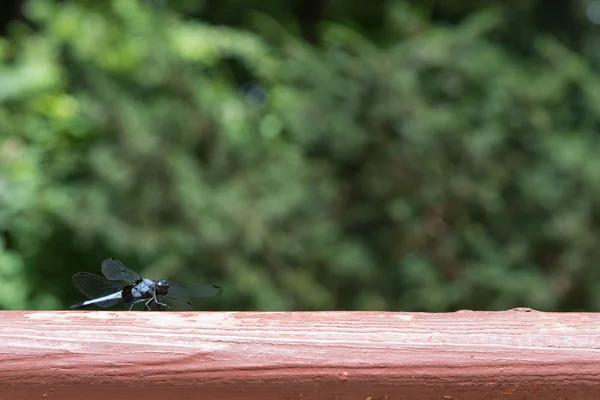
x=142 y=289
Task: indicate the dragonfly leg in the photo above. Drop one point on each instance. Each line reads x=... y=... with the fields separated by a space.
x=134 y=303
x=161 y=304
x=148 y=308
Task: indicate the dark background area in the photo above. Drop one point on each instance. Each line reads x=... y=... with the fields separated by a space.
x=352 y=155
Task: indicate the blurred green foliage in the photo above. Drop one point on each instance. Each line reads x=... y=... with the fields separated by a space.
x=406 y=156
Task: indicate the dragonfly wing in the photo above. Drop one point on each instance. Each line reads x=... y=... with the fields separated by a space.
x=174 y=304
x=114 y=270
x=94 y=286
x=181 y=290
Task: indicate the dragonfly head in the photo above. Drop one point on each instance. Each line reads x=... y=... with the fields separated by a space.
x=162 y=287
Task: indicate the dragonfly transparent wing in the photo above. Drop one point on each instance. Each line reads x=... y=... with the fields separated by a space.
x=174 y=304
x=115 y=271
x=94 y=286
x=182 y=291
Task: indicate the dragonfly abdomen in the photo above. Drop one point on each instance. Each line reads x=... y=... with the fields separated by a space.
x=105 y=301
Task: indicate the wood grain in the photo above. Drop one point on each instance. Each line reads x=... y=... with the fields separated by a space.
x=515 y=354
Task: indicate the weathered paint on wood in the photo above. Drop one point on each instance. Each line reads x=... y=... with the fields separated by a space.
x=515 y=354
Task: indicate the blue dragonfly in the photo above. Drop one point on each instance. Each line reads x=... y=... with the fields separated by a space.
x=121 y=285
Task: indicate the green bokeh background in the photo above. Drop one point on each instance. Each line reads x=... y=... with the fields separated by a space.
x=351 y=155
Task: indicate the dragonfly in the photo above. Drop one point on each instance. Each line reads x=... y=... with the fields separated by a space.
x=121 y=285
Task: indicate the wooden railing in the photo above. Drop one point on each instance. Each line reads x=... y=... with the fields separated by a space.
x=515 y=354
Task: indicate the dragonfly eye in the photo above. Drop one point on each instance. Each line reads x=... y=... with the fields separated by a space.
x=162 y=287
x=163 y=284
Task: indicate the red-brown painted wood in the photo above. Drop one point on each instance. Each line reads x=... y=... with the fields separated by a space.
x=516 y=354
